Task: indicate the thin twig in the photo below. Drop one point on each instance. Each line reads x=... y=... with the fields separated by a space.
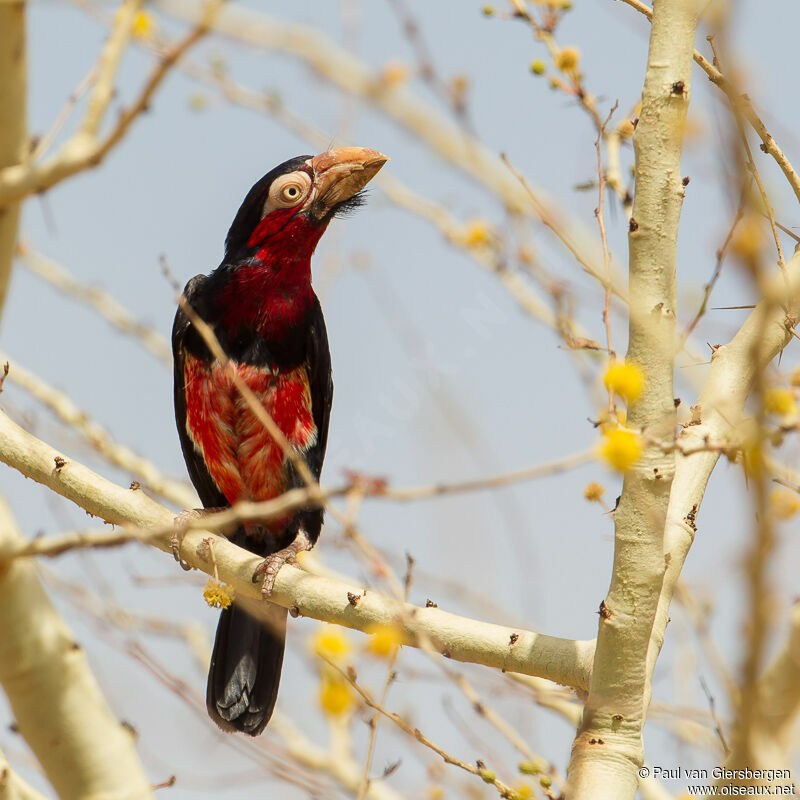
x=600 y=214
x=768 y=143
x=97 y=299
x=709 y=287
x=416 y=733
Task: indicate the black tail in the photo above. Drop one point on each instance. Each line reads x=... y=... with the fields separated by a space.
x=245 y=669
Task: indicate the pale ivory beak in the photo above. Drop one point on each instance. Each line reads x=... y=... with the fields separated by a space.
x=341 y=173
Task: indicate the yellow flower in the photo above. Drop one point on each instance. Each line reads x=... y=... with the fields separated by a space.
x=621 y=448
x=538 y=67
x=330 y=641
x=593 y=492
x=626 y=128
x=198 y=101
x=780 y=402
x=143 y=25
x=218 y=595
x=395 y=73
x=567 y=59
x=384 y=640
x=624 y=379
x=335 y=696
x=477 y=234
x=784 y=502
x=487 y=775
x=522 y=791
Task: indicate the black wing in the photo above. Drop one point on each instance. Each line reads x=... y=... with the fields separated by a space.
x=184 y=335
x=321 y=384
x=318 y=367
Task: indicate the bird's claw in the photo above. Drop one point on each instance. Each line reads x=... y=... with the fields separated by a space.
x=268 y=569
x=180 y=524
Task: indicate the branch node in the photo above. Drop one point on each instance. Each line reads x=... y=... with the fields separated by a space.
x=353 y=599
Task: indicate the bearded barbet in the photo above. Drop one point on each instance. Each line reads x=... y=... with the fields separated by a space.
x=267 y=319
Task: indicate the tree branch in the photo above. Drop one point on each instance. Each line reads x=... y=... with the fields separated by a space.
x=776 y=708
x=766 y=332
x=438 y=131
x=85 y=149
x=13 y=787
x=56 y=701
x=562 y=660
x=13 y=124
x=608 y=748
x=738 y=101
x=97 y=437
x=99 y=300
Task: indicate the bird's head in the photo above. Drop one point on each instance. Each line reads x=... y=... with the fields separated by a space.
x=287 y=211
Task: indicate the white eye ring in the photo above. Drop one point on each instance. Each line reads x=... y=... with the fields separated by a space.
x=287 y=191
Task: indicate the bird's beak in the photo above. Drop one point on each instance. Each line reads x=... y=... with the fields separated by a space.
x=340 y=174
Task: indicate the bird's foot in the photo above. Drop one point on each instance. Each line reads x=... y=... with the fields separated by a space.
x=268 y=569
x=180 y=525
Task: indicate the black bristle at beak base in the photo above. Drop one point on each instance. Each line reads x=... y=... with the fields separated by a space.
x=347 y=207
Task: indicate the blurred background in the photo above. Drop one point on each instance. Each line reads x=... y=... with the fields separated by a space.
x=440 y=375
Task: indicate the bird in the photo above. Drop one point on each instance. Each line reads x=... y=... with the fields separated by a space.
x=261 y=307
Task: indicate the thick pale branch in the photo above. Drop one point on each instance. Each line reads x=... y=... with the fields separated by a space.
x=13 y=126
x=13 y=787
x=561 y=660
x=721 y=405
x=620 y=691
x=56 y=701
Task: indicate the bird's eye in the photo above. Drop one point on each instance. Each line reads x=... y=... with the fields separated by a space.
x=288 y=190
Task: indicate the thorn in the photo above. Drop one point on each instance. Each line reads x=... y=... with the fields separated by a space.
x=353 y=599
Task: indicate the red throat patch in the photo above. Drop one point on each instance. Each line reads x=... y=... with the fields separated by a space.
x=271 y=292
x=242 y=458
